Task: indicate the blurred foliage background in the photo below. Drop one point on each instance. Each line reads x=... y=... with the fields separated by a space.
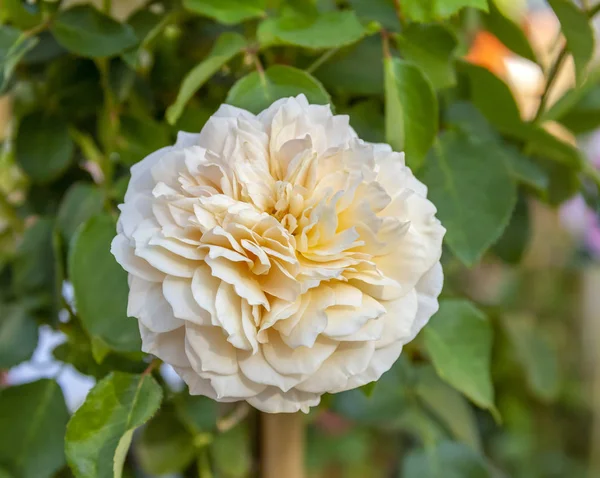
x=496 y=104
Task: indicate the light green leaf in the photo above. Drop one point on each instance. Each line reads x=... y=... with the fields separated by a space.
x=327 y=30
x=431 y=48
x=43 y=146
x=87 y=32
x=18 y=335
x=411 y=110
x=509 y=33
x=424 y=11
x=459 y=341
x=226 y=47
x=536 y=353
x=229 y=12
x=20 y=14
x=33 y=418
x=80 y=202
x=99 y=433
x=13 y=47
x=447 y=460
x=449 y=406
x=165 y=446
x=100 y=286
x=576 y=27
x=257 y=91
x=460 y=172
x=512 y=244
x=234 y=442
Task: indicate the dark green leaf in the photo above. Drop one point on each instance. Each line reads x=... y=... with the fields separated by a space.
x=227 y=46
x=234 y=442
x=431 y=48
x=449 y=406
x=447 y=460
x=512 y=244
x=257 y=91
x=18 y=335
x=81 y=201
x=381 y=11
x=576 y=27
x=100 y=431
x=366 y=117
x=424 y=11
x=44 y=148
x=564 y=182
x=13 y=46
x=508 y=33
x=459 y=341
x=411 y=110
x=165 y=446
x=525 y=170
x=139 y=136
x=100 y=286
x=33 y=418
x=197 y=413
x=584 y=115
x=87 y=32
x=472 y=187
x=536 y=353
x=328 y=30
x=229 y=12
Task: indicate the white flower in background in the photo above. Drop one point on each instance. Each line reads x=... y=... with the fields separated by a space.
x=274 y=258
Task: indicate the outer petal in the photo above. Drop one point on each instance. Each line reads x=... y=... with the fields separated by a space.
x=273 y=400
x=168 y=346
x=147 y=303
x=428 y=289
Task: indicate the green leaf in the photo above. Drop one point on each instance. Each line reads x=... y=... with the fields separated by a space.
x=43 y=146
x=424 y=11
x=460 y=172
x=100 y=431
x=33 y=418
x=80 y=202
x=536 y=353
x=380 y=11
x=525 y=170
x=327 y=30
x=411 y=110
x=139 y=136
x=575 y=25
x=509 y=33
x=229 y=12
x=20 y=14
x=232 y=443
x=18 y=335
x=512 y=244
x=197 y=413
x=459 y=341
x=257 y=91
x=447 y=460
x=366 y=117
x=87 y=32
x=13 y=47
x=584 y=115
x=226 y=47
x=431 y=48
x=165 y=446
x=100 y=286
x=449 y=406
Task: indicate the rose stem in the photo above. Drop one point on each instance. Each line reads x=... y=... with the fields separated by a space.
x=282 y=443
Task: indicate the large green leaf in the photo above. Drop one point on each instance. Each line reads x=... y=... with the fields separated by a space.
x=100 y=431
x=448 y=405
x=411 y=110
x=459 y=341
x=447 y=460
x=165 y=446
x=327 y=30
x=431 y=48
x=226 y=47
x=431 y=10
x=81 y=201
x=33 y=418
x=87 y=32
x=471 y=185
x=576 y=27
x=18 y=335
x=13 y=46
x=100 y=286
x=536 y=353
x=256 y=91
x=508 y=33
x=44 y=148
x=228 y=12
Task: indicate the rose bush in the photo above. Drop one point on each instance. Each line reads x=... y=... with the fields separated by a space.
x=277 y=257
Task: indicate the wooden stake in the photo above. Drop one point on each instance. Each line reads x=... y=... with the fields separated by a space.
x=282 y=442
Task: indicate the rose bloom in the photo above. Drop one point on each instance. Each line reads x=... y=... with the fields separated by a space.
x=277 y=257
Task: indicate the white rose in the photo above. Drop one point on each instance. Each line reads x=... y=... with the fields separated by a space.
x=274 y=258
